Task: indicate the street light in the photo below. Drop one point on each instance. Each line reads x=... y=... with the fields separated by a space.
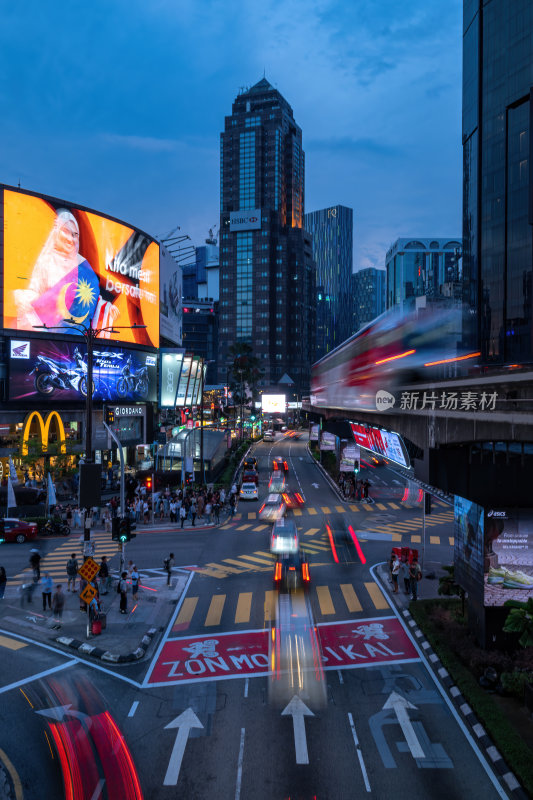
x=90 y=334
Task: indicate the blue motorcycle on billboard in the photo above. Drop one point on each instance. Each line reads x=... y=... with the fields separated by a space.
x=58 y=370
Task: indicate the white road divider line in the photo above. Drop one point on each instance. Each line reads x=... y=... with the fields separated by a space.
x=359 y=753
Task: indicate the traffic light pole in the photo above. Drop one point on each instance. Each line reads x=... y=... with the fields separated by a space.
x=122 y=493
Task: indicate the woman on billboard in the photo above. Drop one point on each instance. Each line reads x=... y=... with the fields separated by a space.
x=63 y=285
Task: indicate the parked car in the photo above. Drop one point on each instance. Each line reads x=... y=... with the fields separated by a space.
x=248 y=491
x=16 y=530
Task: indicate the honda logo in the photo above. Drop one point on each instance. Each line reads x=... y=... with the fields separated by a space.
x=20 y=349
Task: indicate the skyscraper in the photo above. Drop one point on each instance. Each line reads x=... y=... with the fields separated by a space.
x=497 y=177
x=266 y=267
x=368 y=296
x=331 y=230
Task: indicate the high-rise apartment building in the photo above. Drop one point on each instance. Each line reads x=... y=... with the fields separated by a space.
x=266 y=267
x=418 y=268
x=331 y=230
x=497 y=177
x=368 y=296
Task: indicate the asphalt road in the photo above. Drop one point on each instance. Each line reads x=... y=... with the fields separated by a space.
x=198 y=716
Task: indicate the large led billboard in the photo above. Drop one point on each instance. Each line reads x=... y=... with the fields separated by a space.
x=66 y=263
x=508 y=555
x=468 y=545
x=273 y=403
x=54 y=371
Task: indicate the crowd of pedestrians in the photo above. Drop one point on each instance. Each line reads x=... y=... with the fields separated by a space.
x=354 y=488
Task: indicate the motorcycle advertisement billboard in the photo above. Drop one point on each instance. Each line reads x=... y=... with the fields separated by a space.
x=171 y=309
x=68 y=268
x=57 y=371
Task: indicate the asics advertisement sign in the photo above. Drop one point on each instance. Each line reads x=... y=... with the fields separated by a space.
x=57 y=371
x=508 y=556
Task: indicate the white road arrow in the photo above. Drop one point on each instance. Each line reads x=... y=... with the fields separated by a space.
x=315 y=485
x=400 y=705
x=184 y=723
x=59 y=712
x=297 y=710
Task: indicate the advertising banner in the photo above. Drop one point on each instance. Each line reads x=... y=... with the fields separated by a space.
x=351 y=455
x=184 y=381
x=327 y=441
x=273 y=403
x=468 y=545
x=57 y=371
x=508 y=555
x=379 y=441
x=63 y=263
x=171 y=290
x=170 y=365
x=313 y=433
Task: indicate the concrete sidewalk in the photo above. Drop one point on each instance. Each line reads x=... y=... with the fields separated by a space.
x=126 y=638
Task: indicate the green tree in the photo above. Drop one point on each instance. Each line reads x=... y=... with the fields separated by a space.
x=520 y=620
x=244 y=374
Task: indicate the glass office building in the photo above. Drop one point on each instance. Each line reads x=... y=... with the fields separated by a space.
x=497 y=177
x=267 y=275
x=420 y=267
x=368 y=296
x=331 y=232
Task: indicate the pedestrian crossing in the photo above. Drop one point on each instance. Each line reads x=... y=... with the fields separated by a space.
x=55 y=562
x=245 y=608
x=371 y=507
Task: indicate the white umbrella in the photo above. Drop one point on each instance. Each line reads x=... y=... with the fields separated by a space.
x=11 y=502
x=12 y=472
x=52 y=500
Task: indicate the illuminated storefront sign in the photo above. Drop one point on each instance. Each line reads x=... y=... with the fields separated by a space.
x=248 y=220
x=274 y=403
x=44 y=428
x=385 y=443
x=62 y=262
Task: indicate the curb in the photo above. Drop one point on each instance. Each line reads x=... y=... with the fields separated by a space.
x=493 y=756
x=86 y=649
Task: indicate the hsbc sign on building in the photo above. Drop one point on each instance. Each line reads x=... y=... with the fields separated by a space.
x=248 y=220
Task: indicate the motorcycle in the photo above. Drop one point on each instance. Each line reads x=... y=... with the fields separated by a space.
x=135 y=383
x=48 y=376
x=55 y=528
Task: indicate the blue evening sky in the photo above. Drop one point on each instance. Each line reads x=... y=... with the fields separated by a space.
x=118 y=105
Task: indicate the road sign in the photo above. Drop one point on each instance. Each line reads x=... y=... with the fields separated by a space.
x=88 y=593
x=89 y=570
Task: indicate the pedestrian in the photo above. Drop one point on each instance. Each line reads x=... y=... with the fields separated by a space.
x=193 y=511
x=103 y=574
x=395 y=573
x=216 y=511
x=3 y=581
x=69 y=516
x=404 y=572
x=366 y=485
x=46 y=589
x=232 y=504
x=415 y=573
x=146 y=512
x=35 y=563
x=208 y=510
x=123 y=589
x=135 y=582
x=222 y=496
x=183 y=514
x=168 y=563
x=58 y=604
x=391 y=562
x=173 y=509
x=72 y=572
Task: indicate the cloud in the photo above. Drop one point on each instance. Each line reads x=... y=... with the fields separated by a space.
x=347 y=145
x=148 y=144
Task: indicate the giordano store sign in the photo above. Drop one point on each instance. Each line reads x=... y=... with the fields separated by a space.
x=43 y=425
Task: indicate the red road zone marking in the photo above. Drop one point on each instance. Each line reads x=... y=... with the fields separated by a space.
x=223 y=656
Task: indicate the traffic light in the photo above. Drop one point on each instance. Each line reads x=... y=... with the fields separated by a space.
x=427 y=503
x=115 y=529
x=149 y=484
x=110 y=416
x=252 y=417
x=121 y=529
x=356 y=466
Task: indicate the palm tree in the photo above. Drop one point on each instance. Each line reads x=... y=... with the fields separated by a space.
x=244 y=375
